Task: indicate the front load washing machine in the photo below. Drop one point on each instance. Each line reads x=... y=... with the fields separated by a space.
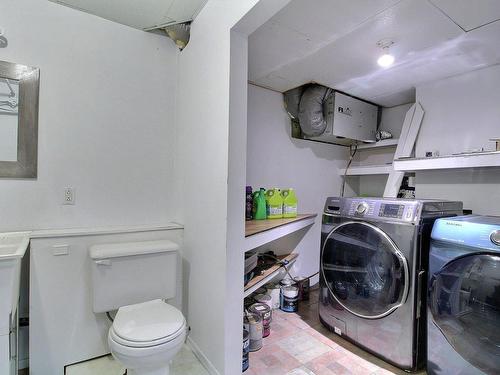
x=464 y=297
x=372 y=273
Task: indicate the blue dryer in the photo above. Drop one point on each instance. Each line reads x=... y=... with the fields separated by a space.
x=463 y=315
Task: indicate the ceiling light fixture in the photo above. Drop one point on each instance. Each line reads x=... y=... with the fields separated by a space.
x=387 y=59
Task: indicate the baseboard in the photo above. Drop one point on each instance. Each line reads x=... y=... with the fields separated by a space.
x=201 y=357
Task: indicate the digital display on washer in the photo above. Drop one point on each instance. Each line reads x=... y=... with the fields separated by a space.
x=391 y=210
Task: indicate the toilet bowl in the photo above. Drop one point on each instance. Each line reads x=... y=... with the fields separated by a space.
x=145 y=337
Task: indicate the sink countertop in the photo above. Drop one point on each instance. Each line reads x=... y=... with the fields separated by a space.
x=13 y=244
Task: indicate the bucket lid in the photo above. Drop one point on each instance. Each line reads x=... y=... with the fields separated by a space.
x=252 y=318
x=263 y=298
x=287 y=282
x=260 y=308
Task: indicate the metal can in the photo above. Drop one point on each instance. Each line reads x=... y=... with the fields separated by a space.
x=254 y=324
x=274 y=291
x=303 y=284
x=264 y=298
x=266 y=314
x=246 y=350
x=290 y=298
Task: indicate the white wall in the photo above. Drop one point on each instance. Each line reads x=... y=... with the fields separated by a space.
x=203 y=136
x=275 y=159
x=461 y=113
x=212 y=126
x=106 y=119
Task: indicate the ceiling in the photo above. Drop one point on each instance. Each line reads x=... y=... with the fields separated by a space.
x=140 y=14
x=333 y=42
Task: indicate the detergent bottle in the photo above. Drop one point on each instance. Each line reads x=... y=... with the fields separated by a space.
x=259 y=204
x=274 y=204
x=289 y=203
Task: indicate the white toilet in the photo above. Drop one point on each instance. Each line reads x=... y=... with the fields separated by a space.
x=136 y=278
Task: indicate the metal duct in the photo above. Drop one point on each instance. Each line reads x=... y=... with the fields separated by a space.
x=292 y=101
x=311 y=117
x=179 y=33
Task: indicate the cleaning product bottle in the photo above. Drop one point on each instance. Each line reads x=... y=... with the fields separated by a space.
x=274 y=204
x=248 y=203
x=259 y=204
x=289 y=203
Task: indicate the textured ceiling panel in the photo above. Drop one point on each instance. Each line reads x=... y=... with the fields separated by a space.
x=428 y=46
x=470 y=14
x=140 y=14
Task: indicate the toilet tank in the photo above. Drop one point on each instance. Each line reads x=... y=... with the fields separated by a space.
x=134 y=272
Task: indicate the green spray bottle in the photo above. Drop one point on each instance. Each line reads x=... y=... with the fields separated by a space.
x=259 y=204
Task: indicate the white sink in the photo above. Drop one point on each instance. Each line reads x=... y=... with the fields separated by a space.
x=13 y=246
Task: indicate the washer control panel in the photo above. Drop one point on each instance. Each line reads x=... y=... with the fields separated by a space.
x=381 y=209
x=391 y=210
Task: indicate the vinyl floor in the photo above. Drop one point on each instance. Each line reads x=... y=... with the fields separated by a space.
x=300 y=345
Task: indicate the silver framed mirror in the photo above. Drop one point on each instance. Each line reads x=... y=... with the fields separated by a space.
x=19 y=88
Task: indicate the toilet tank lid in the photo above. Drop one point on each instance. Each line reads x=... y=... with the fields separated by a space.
x=114 y=250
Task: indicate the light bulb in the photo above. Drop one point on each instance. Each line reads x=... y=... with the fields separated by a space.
x=385 y=60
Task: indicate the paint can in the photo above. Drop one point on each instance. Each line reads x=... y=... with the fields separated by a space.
x=264 y=298
x=274 y=291
x=266 y=314
x=304 y=285
x=253 y=323
x=287 y=282
x=246 y=350
x=290 y=298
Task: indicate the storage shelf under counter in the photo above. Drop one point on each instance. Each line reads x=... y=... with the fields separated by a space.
x=260 y=232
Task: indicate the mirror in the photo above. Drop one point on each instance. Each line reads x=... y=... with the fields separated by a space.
x=9 y=104
x=19 y=86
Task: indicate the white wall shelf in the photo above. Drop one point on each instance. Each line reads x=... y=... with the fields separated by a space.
x=260 y=232
x=472 y=160
x=268 y=275
x=391 y=142
x=362 y=170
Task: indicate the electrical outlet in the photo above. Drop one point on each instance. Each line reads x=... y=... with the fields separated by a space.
x=69 y=196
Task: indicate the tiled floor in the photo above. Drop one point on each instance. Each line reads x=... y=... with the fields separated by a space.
x=300 y=345
x=185 y=363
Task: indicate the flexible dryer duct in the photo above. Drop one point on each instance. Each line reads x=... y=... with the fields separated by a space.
x=311 y=117
x=292 y=101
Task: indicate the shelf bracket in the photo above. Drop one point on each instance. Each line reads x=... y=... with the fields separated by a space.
x=409 y=133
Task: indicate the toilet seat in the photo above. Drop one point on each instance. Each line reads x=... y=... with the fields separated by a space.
x=147 y=324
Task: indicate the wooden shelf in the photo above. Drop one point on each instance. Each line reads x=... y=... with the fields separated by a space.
x=362 y=170
x=268 y=274
x=391 y=142
x=260 y=232
x=472 y=160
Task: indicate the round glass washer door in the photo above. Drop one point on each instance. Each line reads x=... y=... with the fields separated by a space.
x=364 y=270
x=464 y=300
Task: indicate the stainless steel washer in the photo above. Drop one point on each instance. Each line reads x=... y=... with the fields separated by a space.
x=374 y=254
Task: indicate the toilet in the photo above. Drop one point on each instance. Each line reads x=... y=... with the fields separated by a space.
x=136 y=279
